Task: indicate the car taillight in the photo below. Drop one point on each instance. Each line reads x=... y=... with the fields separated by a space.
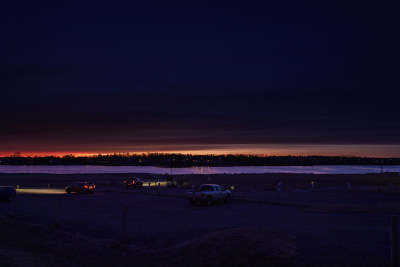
x=86 y=186
x=94 y=186
x=133 y=182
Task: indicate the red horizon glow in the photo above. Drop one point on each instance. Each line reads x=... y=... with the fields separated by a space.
x=392 y=151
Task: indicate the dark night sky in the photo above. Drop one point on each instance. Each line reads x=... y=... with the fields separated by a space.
x=114 y=76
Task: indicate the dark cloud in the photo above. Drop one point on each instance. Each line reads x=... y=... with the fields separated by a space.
x=98 y=75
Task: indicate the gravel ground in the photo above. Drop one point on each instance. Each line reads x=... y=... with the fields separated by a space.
x=160 y=221
x=329 y=227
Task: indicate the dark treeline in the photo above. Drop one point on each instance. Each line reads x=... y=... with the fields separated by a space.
x=187 y=160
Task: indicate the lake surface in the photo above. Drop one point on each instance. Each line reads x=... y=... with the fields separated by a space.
x=73 y=169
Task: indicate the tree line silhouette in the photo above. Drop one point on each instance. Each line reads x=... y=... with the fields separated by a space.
x=188 y=160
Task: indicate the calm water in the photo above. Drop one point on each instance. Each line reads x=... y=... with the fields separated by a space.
x=331 y=169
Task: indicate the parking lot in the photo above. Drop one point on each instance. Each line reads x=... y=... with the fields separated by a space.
x=114 y=225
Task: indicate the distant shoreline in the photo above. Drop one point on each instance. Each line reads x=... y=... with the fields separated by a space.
x=190 y=161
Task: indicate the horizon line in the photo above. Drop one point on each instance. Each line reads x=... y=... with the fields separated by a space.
x=353 y=150
x=130 y=154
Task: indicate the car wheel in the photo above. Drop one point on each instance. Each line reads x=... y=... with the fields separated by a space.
x=10 y=198
x=228 y=198
x=68 y=191
x=209 y=201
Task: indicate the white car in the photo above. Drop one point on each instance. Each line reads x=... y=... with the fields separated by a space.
x=208 y=193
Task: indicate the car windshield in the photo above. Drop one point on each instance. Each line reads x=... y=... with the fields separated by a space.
x=206 y=188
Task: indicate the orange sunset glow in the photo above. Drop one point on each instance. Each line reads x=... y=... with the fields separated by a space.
x=268 y=150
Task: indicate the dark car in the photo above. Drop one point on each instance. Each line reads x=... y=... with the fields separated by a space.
x=81 y=187
x=7 y=193
x=133 y=182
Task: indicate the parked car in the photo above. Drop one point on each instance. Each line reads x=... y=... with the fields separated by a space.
x=208 y=193
x=133 y=182
x=81 y=187
x=7 y=193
